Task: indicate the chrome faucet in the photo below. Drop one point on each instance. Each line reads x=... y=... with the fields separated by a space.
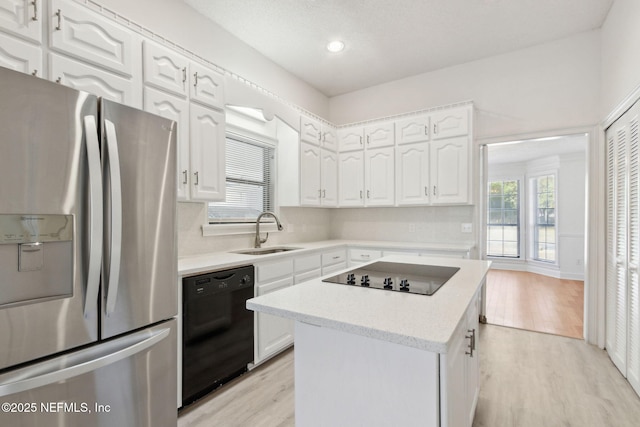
x=260 y=241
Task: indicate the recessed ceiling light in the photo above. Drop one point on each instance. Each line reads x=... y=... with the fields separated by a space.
x=335 y=46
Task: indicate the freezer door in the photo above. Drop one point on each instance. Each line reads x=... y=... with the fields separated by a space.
x=140 y=261
x=127 y=382
x=50 y=217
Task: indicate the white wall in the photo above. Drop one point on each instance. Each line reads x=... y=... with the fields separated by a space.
x=182 y=25
x=620 y=53
x=550 y=86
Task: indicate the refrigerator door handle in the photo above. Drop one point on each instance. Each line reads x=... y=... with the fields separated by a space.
x=116 y=217
x=72 y=365
x=95 y=209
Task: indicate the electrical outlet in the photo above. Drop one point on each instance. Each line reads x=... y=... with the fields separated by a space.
x=466 y=227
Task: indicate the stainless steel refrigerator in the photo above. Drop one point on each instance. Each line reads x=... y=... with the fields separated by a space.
x=88 y=267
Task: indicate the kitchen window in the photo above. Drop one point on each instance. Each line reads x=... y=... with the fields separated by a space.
x=544 y=215
x=249 y=183
x=503 y=228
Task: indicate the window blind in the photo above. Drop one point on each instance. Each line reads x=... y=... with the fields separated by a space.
x=249 y=182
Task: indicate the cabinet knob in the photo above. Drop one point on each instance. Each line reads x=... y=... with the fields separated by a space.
x=184 y=174
x=195 y=79
x=197 y=180
x=35 y=10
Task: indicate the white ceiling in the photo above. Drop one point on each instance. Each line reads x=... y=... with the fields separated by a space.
x=532 y=149
x=388 y=40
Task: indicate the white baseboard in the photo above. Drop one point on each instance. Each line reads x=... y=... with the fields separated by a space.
x=537 y=269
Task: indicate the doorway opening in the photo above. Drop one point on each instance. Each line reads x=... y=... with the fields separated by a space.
x=534 y=200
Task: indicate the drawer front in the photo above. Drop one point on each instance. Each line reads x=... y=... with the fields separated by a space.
x=274 y=270
x=364 y=255
x=333 y=268
x=307 y=263
x=309 y=275
x=334 y=257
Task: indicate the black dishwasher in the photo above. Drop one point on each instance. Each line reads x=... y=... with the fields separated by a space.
x=217 y=329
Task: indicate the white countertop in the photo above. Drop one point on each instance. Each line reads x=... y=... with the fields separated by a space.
x=220 y=260
x=420 y=321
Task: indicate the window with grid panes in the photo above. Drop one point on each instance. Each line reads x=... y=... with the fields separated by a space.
x=544 y=211
x=503 y=219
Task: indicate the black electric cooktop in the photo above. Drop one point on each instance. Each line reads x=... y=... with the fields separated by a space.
x=394 y=276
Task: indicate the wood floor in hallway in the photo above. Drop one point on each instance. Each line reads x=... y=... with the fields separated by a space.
x=535 y=302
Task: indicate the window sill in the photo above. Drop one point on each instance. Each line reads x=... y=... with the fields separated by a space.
x=209 y=230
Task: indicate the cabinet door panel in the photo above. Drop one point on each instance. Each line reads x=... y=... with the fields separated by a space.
x=449 y=170
x=449 y=123
x=380 y=135
x=414 y=129
x=84 y=77
x=351 y=139
x=379 y=177
x=20 y=56
x=310 y=130
x=412 y=174
x=329 y=178
x=273 y=333
x=165 y=69
x=207 y=86
x=329 y=138
x=22 y=18
x=310 y=191
x=351 y=178
x=176 y=109
x=85 y=35
x=208 y=148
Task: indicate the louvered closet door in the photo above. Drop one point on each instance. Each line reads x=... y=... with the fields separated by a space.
x=633 y=340
x=623 y=245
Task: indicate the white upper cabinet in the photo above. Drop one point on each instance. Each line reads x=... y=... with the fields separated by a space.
x=310 y=130
x=315 y=132
x=412 y=174
x=89 y=37
x=207 y=86
x=379 y=135
x=350 y=139
x=413 y=129
x=22 y=18
x=351 y=178
x=165 y=69
x=88 y=78
x=379 y=177
x=177 y=109
x=310 y=191
x=329 y=178
x=208 y=148
x=20 y=56
x=329 y=137
x=450 y=123
x=450 y=170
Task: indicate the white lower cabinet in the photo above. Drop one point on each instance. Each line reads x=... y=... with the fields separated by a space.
x=460 y=372
x=274 y=333
x=359 y=256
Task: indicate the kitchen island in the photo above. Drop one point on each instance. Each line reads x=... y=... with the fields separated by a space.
x=371 y=357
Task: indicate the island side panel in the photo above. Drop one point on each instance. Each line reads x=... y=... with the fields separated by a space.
x=343 y=379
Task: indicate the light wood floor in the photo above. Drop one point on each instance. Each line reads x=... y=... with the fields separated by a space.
x=527 y=379
x=535 y=302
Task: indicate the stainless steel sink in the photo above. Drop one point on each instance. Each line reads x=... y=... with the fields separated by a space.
x=265 y=251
